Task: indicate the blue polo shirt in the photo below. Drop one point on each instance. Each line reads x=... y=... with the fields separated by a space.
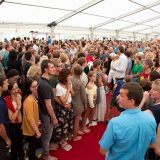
x=4 y=119
x=128 y=136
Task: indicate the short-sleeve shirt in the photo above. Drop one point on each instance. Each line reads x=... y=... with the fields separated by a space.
x=53 y=80
x=155 y=109
x=129 y=65
x=30 y=111
x=143 y=76
x=61 y=91
x=137 y=68
x=4 y=119
x=26 y=68
x=128 y=136
x=45 y=92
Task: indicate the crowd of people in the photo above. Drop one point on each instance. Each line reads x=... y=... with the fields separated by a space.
x=53 y=92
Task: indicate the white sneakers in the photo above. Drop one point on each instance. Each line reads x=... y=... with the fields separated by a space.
x=92 y=124
x=49 y=157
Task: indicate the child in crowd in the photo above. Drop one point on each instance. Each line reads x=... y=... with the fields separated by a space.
x=91 y=91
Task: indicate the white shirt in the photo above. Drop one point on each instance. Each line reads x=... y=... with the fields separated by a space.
x=121 y=66
x=61 y=91
x=72 y=53
x=35 y=47
x=114 y=65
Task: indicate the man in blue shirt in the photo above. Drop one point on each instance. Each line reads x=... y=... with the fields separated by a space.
x=5 y=53
x=4 y=120
x=128 y=136
x=49 y=40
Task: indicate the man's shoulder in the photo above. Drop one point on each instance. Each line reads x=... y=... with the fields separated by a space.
x=148 y=116
x=53 y=78
x=123 y=57
x=117 y=120
x=44 y=83
x=120 y=120
x=2 y=101
x=3 y=105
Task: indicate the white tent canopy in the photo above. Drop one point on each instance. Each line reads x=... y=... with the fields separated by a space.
x=135 y=18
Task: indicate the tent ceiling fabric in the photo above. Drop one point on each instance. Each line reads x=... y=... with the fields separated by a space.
x=141 y=16
x=70 y=5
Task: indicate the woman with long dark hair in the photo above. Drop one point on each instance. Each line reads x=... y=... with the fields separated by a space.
x=64 y=111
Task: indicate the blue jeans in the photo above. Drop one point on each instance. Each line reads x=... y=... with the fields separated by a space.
x=47 y=129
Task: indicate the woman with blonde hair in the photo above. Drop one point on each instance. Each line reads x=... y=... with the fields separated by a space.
x=34 y=72
x=149 y=56
x=42 y=58
x=155 y=94
x=155 y=108
x=64 y=58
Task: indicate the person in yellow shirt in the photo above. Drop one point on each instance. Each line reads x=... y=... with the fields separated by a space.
x=30 y=122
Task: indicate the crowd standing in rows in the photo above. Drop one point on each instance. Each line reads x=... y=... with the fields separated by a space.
x=54 y=92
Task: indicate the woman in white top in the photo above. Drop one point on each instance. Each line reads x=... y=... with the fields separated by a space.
x=64 y=112
x=112 y=72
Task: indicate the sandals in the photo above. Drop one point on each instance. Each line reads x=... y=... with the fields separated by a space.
x=77 y=138
x=49 y=158
x=86 y=130
x=66 y=146
x=80 y=132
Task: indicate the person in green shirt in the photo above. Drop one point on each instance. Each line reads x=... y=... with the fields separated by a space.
x=137 y=69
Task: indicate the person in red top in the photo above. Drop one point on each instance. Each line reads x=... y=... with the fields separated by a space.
x=13 y=102
x=147 y=65
x=89 y=55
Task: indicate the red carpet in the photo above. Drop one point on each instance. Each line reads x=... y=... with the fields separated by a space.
x=87 y=148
